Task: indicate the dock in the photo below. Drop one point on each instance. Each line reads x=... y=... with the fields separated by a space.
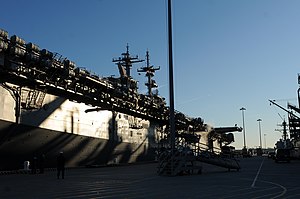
x=260 y=177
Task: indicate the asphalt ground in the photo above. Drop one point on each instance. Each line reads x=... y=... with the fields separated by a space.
x=259 y=177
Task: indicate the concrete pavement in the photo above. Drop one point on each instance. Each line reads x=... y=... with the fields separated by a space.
x=259 y=178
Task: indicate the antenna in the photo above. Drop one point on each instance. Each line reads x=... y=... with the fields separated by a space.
x=149 y=70
x=126 y=61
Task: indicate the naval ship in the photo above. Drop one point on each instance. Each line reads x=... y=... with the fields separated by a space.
x=49 y=105
x=290 y=140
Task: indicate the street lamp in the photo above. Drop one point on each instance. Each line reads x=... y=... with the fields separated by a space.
x=243 y=109
x=259 y=120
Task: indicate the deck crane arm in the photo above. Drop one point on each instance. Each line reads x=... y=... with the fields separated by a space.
x=290 y=112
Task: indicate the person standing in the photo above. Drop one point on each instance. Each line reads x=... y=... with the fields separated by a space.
x=34 y=164
x=61 y=165
x=41 y=163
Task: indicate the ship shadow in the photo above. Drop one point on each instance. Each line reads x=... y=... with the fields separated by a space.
x=79 y=150
x=20 y=142
x=115 y=150
x=36 y=117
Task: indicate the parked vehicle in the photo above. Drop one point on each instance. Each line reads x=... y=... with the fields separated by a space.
x=271 y=154
x=282 y=155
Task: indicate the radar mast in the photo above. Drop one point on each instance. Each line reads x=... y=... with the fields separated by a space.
x=126 y=62
x=150 y=71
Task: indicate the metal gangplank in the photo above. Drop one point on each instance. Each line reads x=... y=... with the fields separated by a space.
x=186 y=162
x=188 y=155
x=216 y=156
x=224 y=161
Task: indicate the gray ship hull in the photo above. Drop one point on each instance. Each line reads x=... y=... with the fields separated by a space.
x=96 y=138
x=21 y=143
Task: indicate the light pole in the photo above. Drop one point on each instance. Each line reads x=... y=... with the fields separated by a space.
x=259 y=127
x=243 y=109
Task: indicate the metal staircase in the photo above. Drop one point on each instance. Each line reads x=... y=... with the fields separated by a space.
x=188 y=155
x=178 y=163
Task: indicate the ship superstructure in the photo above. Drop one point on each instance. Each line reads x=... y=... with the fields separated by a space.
x=291 y=129
x=48 y=104
x=287 y=148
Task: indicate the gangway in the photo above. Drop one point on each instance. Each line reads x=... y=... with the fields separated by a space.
x=186 y=162
x=189 y=153
x=219 y=160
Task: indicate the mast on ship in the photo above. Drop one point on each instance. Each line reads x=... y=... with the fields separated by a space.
x=125 y=62
x=150 y=71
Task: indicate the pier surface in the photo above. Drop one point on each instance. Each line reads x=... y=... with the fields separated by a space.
x=259 y=177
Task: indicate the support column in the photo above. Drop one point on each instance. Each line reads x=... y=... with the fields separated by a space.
x=17 y=94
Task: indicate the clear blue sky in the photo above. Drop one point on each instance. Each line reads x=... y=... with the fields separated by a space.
x=227 y=54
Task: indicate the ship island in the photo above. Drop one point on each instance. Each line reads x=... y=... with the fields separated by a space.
x=49 y=105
